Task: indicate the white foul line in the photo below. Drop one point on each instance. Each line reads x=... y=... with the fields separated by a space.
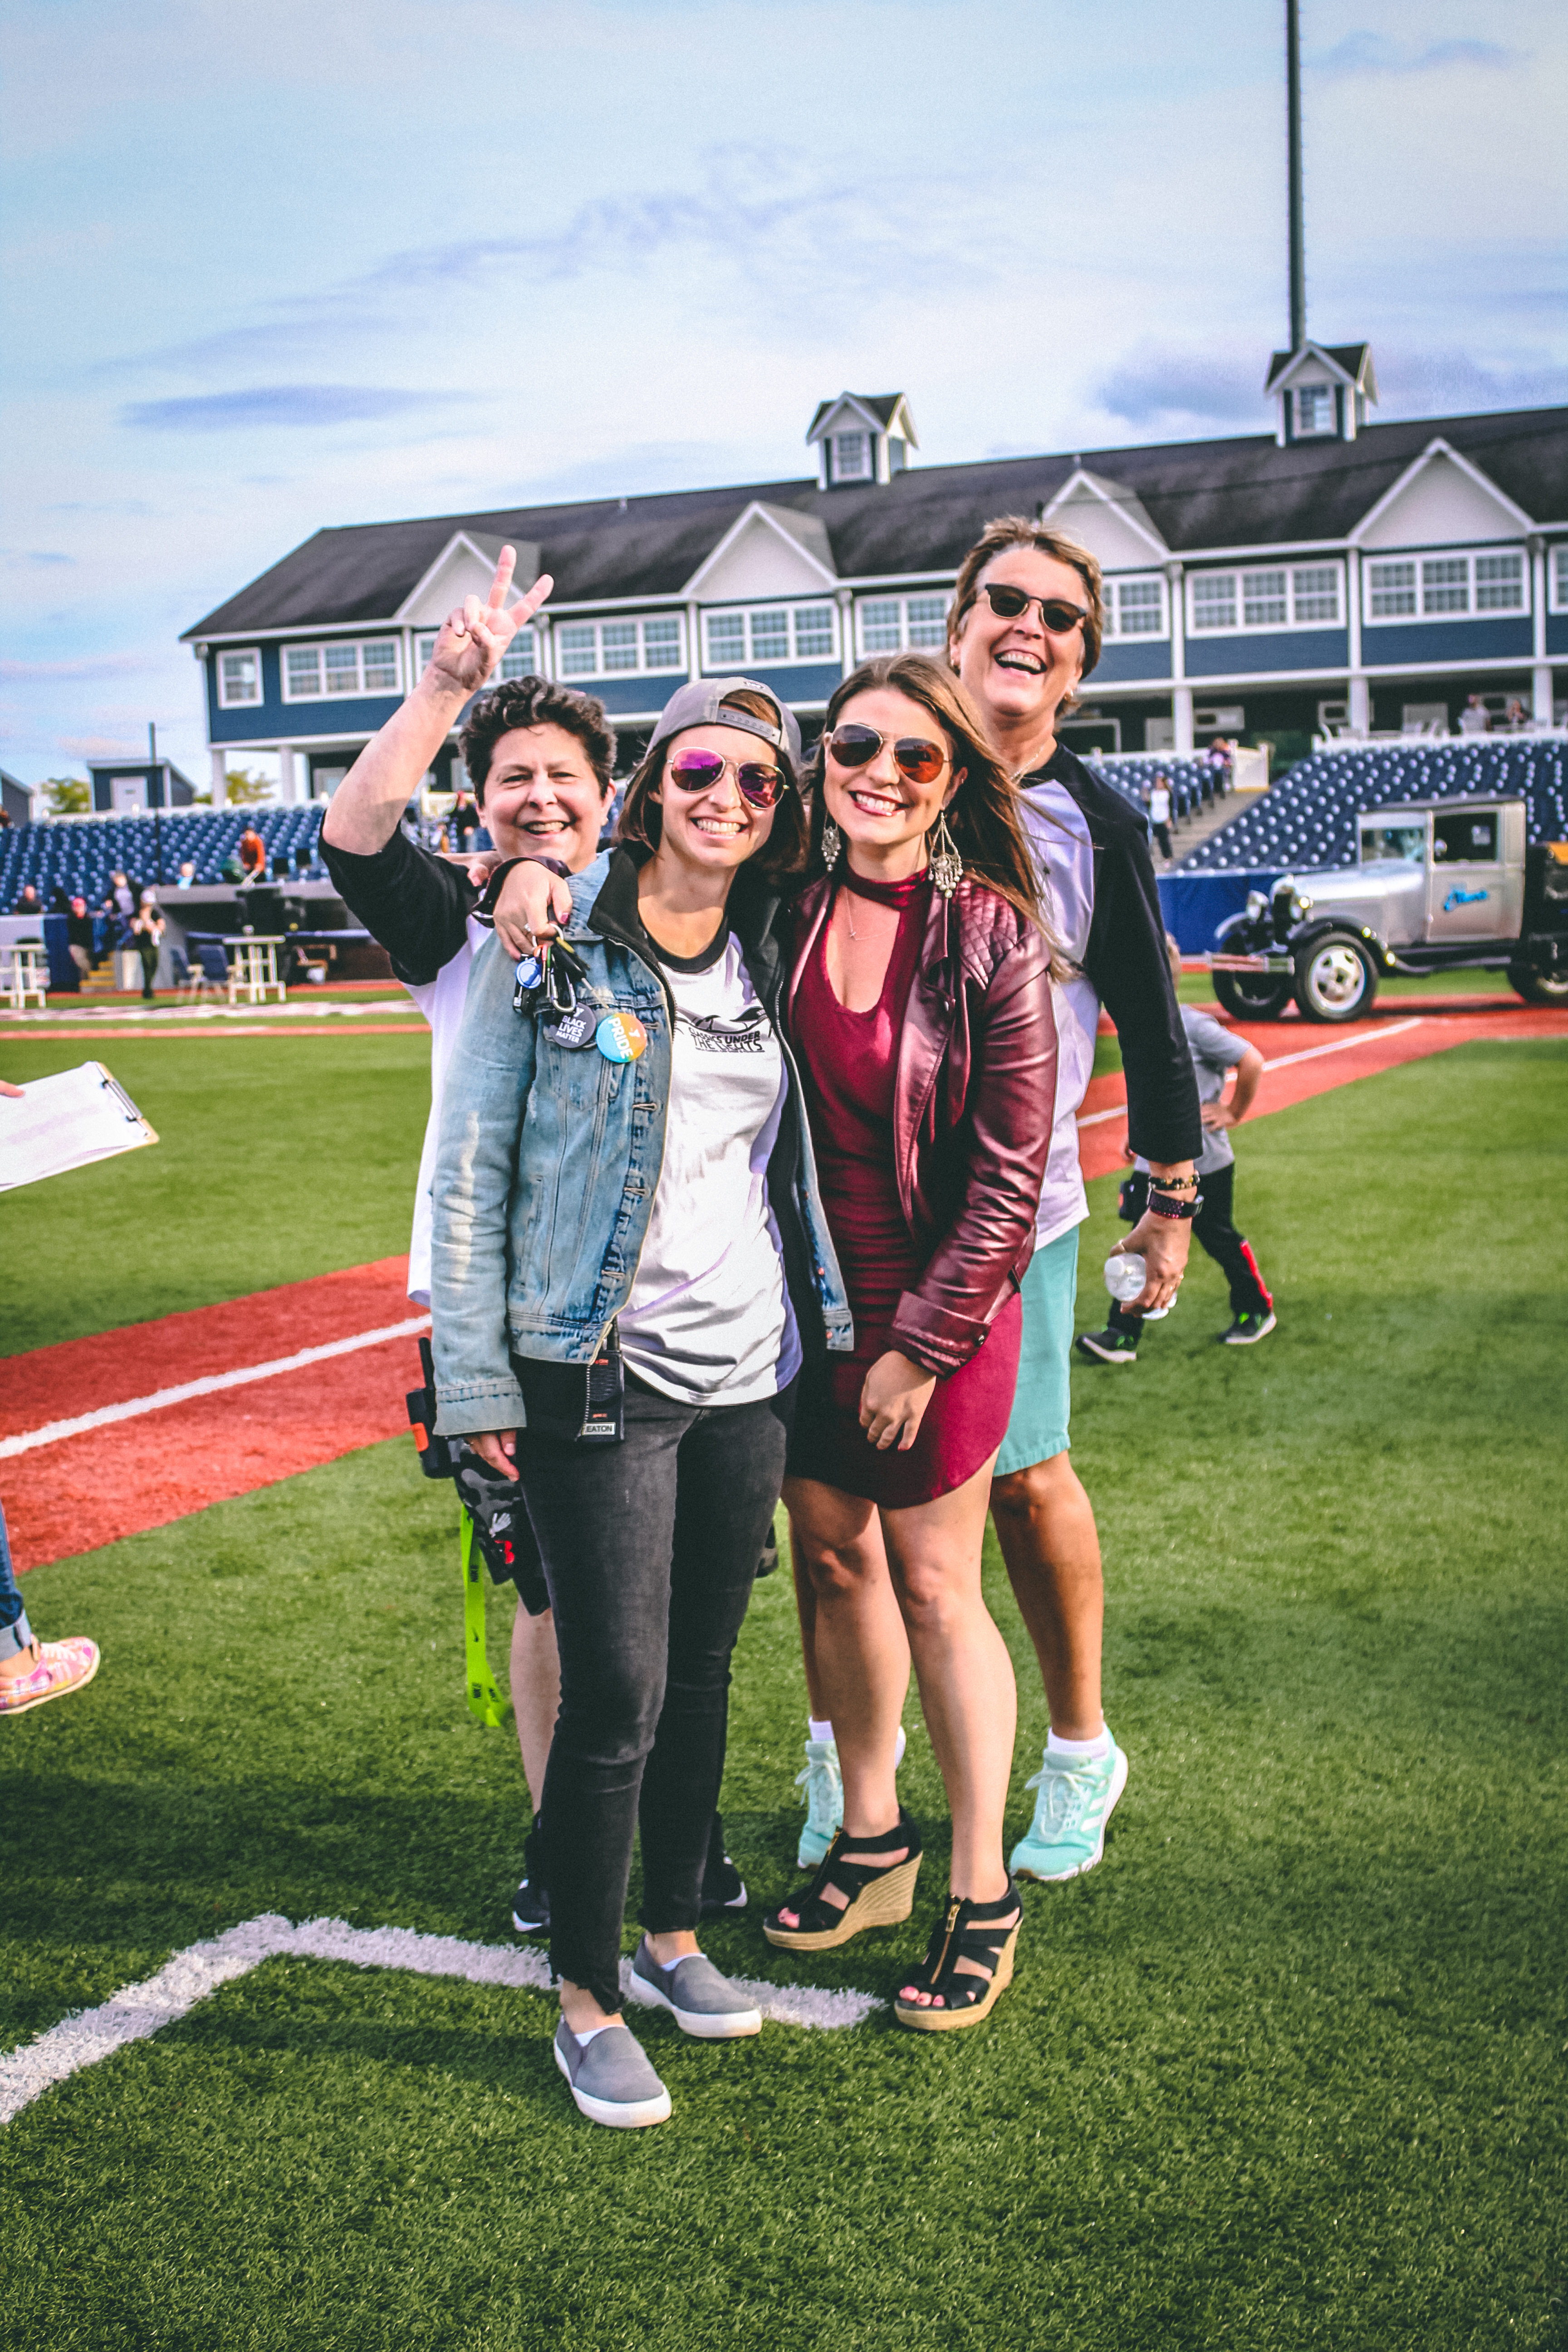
x=53 y=1431
x=140 y=2010
x=1283 y=1061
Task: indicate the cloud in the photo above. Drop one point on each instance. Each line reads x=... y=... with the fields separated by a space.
x=1373 y=53
x=1167 y=390
x=280 y=404
x=94 y=665
x=99 y=746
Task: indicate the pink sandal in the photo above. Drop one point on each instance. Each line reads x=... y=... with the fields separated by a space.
x=58 y=1667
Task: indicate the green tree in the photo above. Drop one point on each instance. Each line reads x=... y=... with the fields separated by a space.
x=67 y=795
x=246 y=790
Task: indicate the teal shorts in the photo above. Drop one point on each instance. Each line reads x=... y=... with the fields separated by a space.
x=1041 y=1402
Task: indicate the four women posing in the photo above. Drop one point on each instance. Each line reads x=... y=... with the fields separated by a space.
x=739 y=1174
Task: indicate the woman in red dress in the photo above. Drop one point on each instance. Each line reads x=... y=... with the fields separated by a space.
x=919 y=1009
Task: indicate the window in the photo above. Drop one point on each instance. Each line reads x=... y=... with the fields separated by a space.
x=1136 y=608
x=851 y=458
x=775 y=633
x=1405 y=842
x=896 y=624
x=1314 y=409
x=520 y=658
x=1499 y=583
x=1464 y=838
x=1560 y=579
x=1285 y=596
x=1427 y=587
x=238 y=680
x=617 y=648
x=313 y=672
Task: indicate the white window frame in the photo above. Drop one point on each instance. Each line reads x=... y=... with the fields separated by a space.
x=524 y=645
x=909 y=642
x=674 y=665
x=864 y=468
x=1557 y=578
x=360 y=692
x=1420 y=557
x=1295 y=572
x=1114 y=634
x=1305 y=432
x=717 y=659
x=227 y=702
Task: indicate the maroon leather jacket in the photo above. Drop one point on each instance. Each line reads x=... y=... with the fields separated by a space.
x=974 y=1098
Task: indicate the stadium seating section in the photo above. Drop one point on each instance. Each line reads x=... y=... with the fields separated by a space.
x=1132 y=773
x=1308 y=817
x=80 y=855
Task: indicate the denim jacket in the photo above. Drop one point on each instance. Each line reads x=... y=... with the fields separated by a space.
x=549 y=1160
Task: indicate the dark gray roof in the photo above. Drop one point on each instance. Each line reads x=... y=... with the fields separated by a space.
x=1352 y=357
x=1200 y=494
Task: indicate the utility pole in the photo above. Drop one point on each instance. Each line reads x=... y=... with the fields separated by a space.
x=1298 y=220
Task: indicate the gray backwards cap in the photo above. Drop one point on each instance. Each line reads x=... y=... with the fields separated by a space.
x=701 y=704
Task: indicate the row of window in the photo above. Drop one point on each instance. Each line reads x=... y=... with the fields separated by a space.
x=1274 y=596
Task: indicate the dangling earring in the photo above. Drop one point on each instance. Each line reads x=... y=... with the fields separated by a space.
x=832 y=843
x=946 y=865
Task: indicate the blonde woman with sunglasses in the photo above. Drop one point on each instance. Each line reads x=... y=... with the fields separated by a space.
x=919 y=1009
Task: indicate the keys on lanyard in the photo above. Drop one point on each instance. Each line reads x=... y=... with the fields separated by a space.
x=548 y=984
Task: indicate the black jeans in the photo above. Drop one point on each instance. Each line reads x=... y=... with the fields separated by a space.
x=650 y=1547
x=1214 y=1230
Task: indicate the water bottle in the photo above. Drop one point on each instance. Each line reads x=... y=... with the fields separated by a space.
x=1125 y=1275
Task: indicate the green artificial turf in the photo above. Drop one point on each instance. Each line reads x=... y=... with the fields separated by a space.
x=277 y=1158
x=1285 y=2071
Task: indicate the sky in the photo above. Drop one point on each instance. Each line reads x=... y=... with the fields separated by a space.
x=268 y=269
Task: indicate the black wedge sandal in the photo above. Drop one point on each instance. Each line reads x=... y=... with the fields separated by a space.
x=880 y=1892
x=987 y=1932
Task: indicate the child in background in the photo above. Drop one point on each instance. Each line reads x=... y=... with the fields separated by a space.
x=1215 y=1051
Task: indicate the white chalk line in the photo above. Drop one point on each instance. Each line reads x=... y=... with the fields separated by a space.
x=138 y=2010
x=53 y=1431
x=1283 y=1061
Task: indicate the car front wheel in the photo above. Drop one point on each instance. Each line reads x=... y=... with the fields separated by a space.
x=1538 y=987
x=1248 y=996
x=1336 y=979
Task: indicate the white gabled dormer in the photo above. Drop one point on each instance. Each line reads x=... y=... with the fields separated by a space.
x=1108 y=518
x=862 y=438
x=768 y=552
x=465 y=567
x=1441 y=498
x=1322 y=392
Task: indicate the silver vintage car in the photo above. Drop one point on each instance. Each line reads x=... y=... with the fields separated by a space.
x=1439 y=884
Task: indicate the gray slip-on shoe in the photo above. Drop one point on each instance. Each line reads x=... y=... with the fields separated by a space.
x=612 y=2080
x=700 y=2001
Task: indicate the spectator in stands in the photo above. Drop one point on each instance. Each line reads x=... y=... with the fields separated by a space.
x=188 y=874
x=122 y=900
x=1220 y=761
x=1475 y=718
x=253 y=854
x=80 y=936
x=1215 y=1052
x=147 y=928
x=465 y=821
x=29 y=903
x=1160 y=814
x=1516 y=717
x=540 y=757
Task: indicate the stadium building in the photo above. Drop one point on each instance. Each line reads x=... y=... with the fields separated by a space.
x=1332 y=576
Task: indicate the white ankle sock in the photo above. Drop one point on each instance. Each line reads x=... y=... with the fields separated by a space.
x=821 y=1732
x=583 y=2040
x=1081 y=1750
x=899 y=1751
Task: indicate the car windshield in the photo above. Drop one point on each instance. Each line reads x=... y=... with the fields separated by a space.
x=1405 y=841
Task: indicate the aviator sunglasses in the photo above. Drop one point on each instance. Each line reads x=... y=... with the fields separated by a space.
x=695 y=770
x=1056 y=614
x=921 y=762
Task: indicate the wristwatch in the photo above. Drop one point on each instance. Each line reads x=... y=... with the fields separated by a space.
x=1163 y=1204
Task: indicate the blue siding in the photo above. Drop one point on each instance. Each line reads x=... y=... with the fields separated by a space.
x=1557 y=633
x=1289 y=649
x=273 y=721
x=1121 y=664
x=1413 y=642
x=630 y=698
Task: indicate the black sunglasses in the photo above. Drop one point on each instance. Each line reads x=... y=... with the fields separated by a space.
x=923 y=763
x=1056 y=614
x=695 y=770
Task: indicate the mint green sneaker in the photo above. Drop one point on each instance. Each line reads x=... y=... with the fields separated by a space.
x=1077 y=1799
x=824 y=1801
x=824 y=1797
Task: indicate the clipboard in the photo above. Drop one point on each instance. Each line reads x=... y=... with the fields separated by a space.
x=67 y=1121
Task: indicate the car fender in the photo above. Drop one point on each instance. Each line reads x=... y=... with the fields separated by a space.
x=1318 y=927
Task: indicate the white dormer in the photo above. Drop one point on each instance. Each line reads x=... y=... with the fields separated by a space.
x=768 y=552
x=861 y=437
x=465 y=567
x=1322 y=392
x=1108 y=518
x=1442 y=497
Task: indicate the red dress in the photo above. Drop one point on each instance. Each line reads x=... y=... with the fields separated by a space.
x=848 y=1062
